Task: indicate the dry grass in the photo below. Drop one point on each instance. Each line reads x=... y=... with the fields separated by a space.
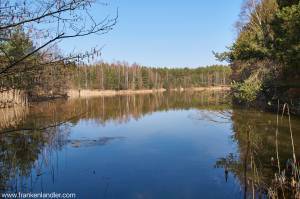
x=13 y=97
x=210 y=88
x=95 y=93
x=12 y=117
x=287 y=180
x=73 y=93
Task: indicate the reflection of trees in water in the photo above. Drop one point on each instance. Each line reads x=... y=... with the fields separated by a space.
x=214 y=116
x=255 y=165
x=11 y=117
x=26 y=154
x=122 y=108
x=20 y=151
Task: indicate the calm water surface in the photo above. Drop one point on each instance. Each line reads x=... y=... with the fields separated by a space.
x=171 y=145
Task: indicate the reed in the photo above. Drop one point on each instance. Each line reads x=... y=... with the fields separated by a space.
x=287 y=181
x=12 y=117
x=12 y=98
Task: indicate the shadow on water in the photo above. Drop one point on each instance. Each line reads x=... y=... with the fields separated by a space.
x=26 y=156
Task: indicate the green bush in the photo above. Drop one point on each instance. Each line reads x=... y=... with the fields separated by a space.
x=247 y=91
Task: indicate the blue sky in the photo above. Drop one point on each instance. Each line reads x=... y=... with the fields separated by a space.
x=166 y=33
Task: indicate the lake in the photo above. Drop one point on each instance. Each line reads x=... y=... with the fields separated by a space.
x=165 y=145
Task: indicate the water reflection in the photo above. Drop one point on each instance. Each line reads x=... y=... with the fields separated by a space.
x=11 y=117
x=27 y=144
x=255 y=162
x=173 y=138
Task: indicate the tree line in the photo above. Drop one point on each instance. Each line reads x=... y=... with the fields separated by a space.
x=122 y=76
x=265 y=58
x=42 y=79
x=31 y=61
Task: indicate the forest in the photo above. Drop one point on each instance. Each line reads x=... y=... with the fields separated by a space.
x=41 y=79
x=265 y=57
x=34 y=68
x=122 y=76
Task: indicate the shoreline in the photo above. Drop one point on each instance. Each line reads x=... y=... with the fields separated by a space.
x=76 y=93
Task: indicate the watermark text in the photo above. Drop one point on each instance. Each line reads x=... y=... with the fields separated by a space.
x=38 y=195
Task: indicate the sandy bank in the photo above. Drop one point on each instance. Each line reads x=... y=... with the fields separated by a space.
x=93 y=93
x=210 y=88
x=73 y=93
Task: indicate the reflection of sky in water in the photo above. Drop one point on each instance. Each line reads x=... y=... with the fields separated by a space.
x=162 y=155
